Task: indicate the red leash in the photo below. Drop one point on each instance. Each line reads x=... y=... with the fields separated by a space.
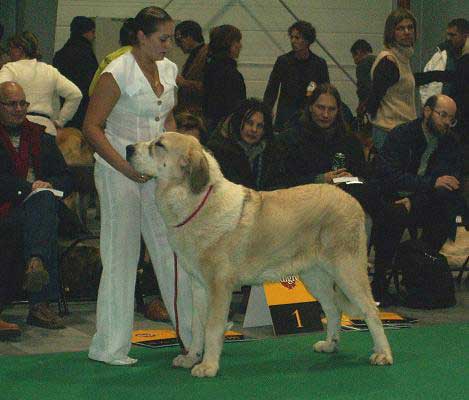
x=176 y=317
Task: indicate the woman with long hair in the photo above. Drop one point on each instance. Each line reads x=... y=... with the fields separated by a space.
x=224 y=86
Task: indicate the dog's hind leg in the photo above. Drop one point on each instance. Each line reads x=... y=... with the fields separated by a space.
x=357 y=290
x=219 y=298
x=321 y=286
x=199 y=316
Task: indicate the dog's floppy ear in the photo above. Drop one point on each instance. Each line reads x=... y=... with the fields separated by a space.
x=195 y=165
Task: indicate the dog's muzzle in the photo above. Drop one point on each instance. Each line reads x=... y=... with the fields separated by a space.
x=129 y=151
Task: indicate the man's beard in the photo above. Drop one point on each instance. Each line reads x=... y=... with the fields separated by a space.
x=432 y=128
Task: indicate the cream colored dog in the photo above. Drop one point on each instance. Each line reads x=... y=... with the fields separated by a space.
x=228 y=235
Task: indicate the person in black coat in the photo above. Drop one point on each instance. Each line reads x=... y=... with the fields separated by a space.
x=313 y=142
x=30 y=163
x=224 y=86
x=76 y=61
x=293 y=72
x=246 y=149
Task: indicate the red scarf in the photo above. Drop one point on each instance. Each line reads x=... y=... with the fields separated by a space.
x=30 y=147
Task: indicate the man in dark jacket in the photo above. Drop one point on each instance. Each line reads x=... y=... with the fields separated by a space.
x=293 y=72
x=31 y=165
x=420 y=167
x=77 y=61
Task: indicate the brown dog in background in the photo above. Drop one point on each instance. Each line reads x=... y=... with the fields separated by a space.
x=79 y=157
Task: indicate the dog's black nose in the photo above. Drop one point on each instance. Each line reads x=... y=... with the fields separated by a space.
x=129 y=150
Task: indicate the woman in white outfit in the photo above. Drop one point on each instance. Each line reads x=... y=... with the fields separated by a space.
x=42 y=83
x=134 y=99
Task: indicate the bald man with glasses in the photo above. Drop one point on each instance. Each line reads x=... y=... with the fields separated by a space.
x=30 y=162
x=420 y=168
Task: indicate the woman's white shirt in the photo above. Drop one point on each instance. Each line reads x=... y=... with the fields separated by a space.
x=42 y=85
x=139 y=115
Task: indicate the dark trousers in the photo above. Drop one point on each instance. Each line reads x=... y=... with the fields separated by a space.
x=29 y=230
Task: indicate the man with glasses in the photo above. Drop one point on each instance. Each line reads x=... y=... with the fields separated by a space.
x=420 y=168
x=30 y=163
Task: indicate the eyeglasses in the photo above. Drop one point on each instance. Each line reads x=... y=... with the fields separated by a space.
x=444 y=115
x=14 y=104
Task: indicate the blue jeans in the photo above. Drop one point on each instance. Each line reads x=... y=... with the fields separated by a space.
x=31 y=230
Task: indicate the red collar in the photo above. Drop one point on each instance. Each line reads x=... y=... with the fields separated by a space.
x=197 y=209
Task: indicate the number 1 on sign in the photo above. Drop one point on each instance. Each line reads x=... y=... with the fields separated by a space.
x=298 y=319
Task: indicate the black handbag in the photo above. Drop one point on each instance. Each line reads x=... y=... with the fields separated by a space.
x=426 y=276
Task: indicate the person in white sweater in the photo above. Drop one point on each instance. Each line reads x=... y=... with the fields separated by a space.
x=42 y=83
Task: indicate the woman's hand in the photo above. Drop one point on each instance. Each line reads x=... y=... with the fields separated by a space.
x=331 y=175
x=131 y=173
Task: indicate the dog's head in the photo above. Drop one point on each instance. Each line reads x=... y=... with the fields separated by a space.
x=173 y=157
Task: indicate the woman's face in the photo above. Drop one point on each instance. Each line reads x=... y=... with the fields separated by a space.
x=253 y=128
x=157 y=44
x=324 y=110
x=235 y=49
x=16 y=53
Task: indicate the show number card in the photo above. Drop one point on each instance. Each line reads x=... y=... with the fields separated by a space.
x=292 y=308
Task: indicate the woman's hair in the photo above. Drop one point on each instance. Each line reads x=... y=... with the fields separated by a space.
x=306 y=30
x=327 y=88
x=244 y=111
x=28 y=42
x=395 y=18
x=187 y=121
x=148 y=20
x=126 y=32
x=222 y=37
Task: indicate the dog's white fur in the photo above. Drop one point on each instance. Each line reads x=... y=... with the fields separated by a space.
x=241 y=236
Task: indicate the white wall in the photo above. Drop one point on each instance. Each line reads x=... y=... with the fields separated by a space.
x=264 y=25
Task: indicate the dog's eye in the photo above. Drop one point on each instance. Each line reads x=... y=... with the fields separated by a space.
x=159 y=144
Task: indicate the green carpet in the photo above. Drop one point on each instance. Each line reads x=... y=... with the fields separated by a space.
x=430 y=363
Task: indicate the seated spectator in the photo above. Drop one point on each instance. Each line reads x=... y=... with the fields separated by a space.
x=244 y=146
x=189 y=39
x=29 y=161
x=316 y=136
x=224 y=87
x=125 y=35
x=313 y=143
x=420 y=166
x=192 y=124
x=41 y=82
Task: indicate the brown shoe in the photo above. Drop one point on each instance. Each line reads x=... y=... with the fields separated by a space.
x=8 y=331
x=36 y=275
x=156 y=311
x=41 y=315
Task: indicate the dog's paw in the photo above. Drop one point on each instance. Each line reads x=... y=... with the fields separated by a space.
x=381 y=359
x=205 y=370
x=185 y=361
x=324 y=346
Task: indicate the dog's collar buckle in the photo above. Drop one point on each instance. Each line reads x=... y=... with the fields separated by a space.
x=199 y=207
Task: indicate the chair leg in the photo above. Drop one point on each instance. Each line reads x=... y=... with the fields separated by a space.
x=62 y=303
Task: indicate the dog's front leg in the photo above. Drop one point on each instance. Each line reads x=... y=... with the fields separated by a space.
x=199 y=317
x=219 y=298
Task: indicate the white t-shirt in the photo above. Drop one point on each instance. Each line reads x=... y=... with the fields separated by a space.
x=139 y=115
